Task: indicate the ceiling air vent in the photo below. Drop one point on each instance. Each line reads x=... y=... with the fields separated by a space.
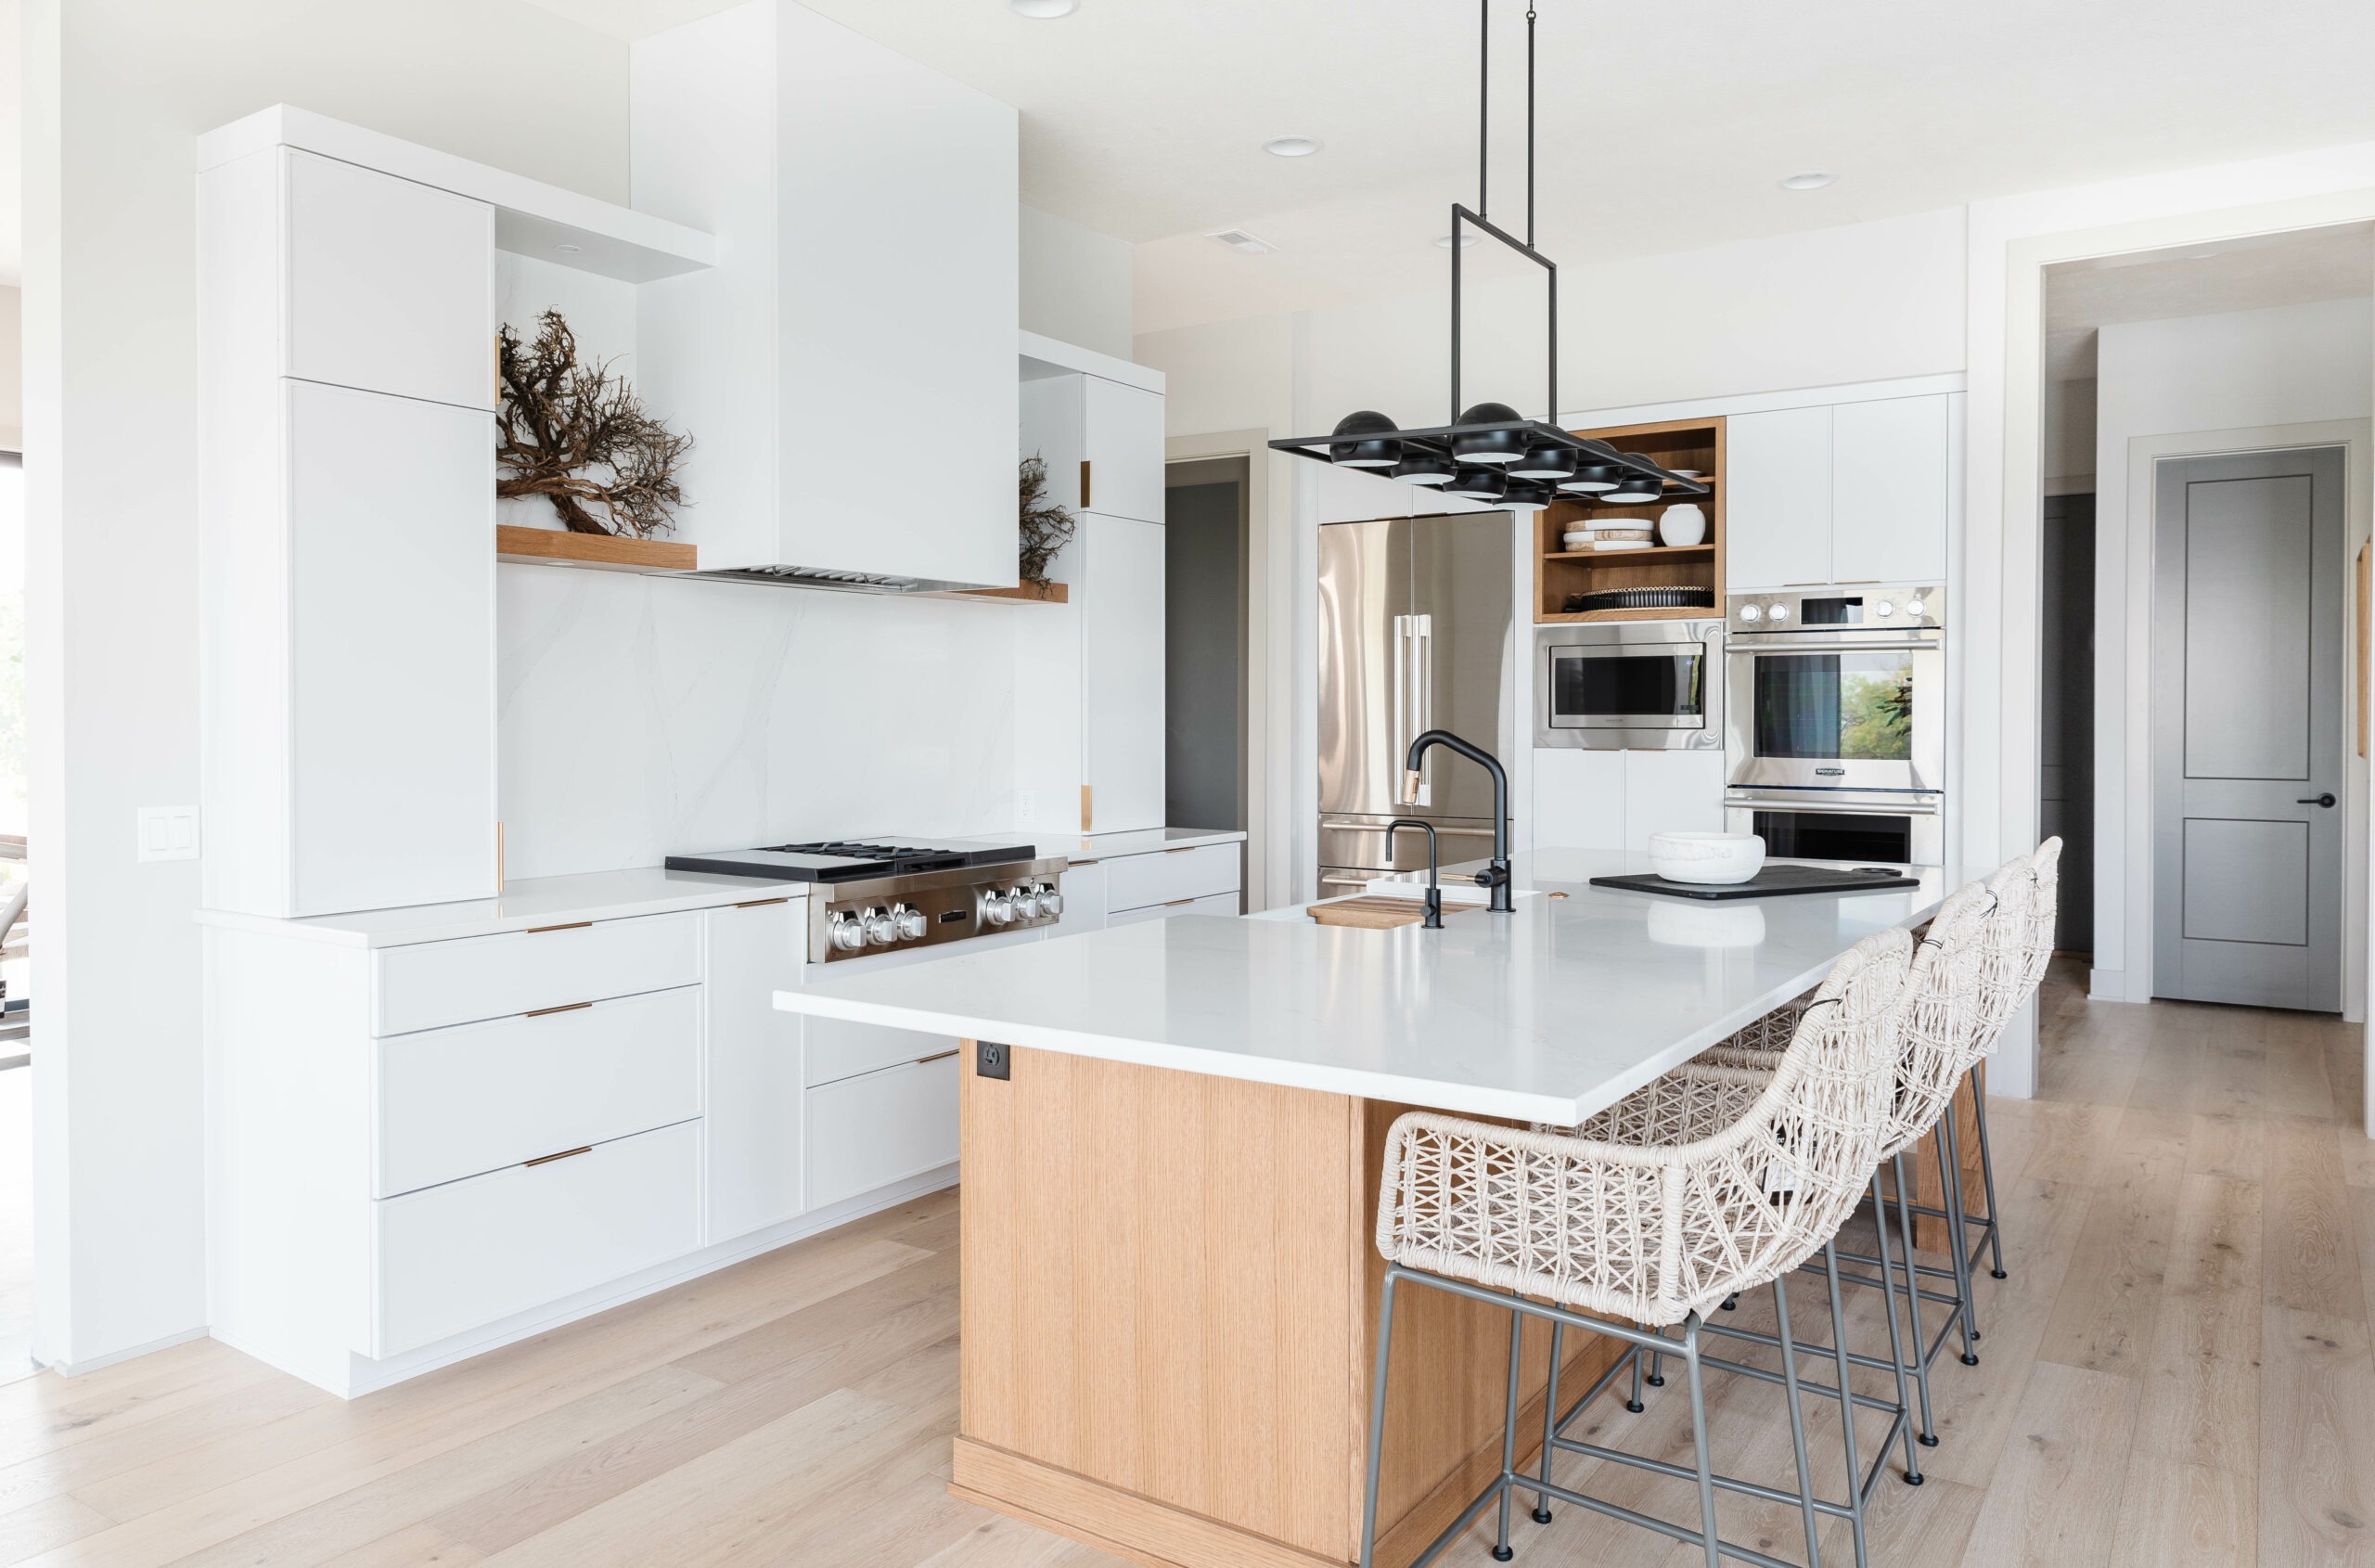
x=1237 y=239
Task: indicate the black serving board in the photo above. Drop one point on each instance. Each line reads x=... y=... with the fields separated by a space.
x=1774 y=882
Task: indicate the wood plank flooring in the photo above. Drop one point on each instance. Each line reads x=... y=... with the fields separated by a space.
x=2178 y=1374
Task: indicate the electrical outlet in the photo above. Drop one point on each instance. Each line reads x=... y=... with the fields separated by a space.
x=168 y=832
x=992 y=1059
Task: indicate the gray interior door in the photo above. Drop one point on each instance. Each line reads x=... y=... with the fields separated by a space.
x=2247 y=742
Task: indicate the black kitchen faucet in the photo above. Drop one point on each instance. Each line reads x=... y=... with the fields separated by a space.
x=1496 y=876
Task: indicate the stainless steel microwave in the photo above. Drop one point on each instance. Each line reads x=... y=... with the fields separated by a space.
x=1629 y=685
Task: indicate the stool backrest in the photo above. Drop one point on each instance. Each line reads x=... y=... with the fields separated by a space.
x=2004 y=954
x=1943 y=1017
x=2044 y=905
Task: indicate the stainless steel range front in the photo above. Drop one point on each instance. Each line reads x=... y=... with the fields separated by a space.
x=876 y=895
x=1834 y=732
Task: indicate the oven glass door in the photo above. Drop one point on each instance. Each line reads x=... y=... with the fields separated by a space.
x=1819 y=714
x=1629 y=685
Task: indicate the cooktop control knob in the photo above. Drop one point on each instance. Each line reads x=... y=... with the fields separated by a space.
x=846 y=934
x=1916 y=609
x=1884 y=610
x=1051 y=902
x=1025 y=900
x=1779 y=612
x=880 y=929
x=1750 y=613
x=912 y=922
x=996 y=910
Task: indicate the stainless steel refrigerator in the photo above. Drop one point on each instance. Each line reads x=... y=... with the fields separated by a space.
x=1415 y=624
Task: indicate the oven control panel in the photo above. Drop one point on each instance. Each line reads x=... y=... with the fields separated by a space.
x=1917 y=607
x=925 y=910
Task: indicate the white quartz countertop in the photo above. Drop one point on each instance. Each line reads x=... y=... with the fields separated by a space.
x=1549 y=1013
x=1150 y=841
x=538 y=901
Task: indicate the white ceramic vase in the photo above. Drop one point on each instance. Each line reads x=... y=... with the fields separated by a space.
x=1683 y=523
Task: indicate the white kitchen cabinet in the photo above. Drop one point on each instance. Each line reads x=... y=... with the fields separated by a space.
x=801 y=361
x=1672 y=793
x=867 y=1131
x=389 y=285
x=1171 y=875
x=1222 y=904
x=1085 y=904
x=1578 y=798
x=1103 y=442
x=1889 y=490
x=1117 y=580
x=753 y=1160
x=1777 y=516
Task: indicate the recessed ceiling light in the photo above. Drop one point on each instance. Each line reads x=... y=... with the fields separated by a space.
x=1812 y=179
x=566 y=248
x=1237 y=239
x=1291 y=147
x=1043 y=10
x=1442 y=241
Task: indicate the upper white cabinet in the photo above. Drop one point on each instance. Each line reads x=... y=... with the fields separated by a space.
x=1891 y=490
x=1848 y=494
x=752 y=1157
x=389 y=285
x=1102 y=442
x=860 y=327
x=347 y=523
x=1776 y=520
x=1117 y=573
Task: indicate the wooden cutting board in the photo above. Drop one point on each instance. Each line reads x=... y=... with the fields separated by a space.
x=1379 y=912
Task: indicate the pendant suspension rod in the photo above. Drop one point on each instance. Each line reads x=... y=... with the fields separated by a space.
x=1528 y=131
x=1484 y=104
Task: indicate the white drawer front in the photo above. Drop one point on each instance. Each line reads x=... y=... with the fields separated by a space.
x=1222 y=904
x=838 y=1048
x=469 y=1253
x=1135 y=882
x=867 y=1131
x=453 y=1102
x=435 y=983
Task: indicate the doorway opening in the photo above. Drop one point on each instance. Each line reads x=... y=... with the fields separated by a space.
x=1206 y=579
x=2204 y=444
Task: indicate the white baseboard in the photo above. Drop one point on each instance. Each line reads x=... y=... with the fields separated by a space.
x=92 y=1364
x=362 y=1375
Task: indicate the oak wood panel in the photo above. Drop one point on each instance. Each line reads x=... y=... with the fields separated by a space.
x=1382 y=912
x=549 y=545
x=1698 y=443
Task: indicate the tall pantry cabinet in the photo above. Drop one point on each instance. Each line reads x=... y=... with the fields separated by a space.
x=346 y=331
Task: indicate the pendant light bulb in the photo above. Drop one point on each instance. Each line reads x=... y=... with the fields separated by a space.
x=1528 y=493
x=1593 y=479
x=1422 y=467
x=1497 y=447
x=1479 y=484
x=1378 y=450
x=1544 y=461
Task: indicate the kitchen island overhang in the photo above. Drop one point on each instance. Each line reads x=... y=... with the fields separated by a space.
x=1170 y=1287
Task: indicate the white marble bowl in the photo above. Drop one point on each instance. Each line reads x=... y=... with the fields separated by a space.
x=1712 y=859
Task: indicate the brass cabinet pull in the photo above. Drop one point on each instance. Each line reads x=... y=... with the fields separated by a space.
x=762 y=902
x=564 y=1154
x=547 y=1013
x=1177 y=901
x=574 y=925
x=1085 y=504
x=943 y=1056
x=1184 y=848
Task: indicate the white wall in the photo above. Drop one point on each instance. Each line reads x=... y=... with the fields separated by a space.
x=12 y=370
x=116 y=92
x=2297 y=364
x=1075 y=283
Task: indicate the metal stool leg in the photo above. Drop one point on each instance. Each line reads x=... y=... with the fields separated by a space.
x=1987 y=1179
x=1633 y=1403
x=1797 y=1418
x=1549 y=1422
x=1501 y=1552
x=1699 y=1442
x=1377 y=1421
x=1896 y=1343
x=1846 y=1402
x=1657 y=1378
x=1950 y=1178
x=1928 y=1438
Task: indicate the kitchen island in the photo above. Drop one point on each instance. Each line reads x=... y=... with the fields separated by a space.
x=1170 y=1138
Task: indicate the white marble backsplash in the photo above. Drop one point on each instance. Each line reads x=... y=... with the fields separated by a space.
x=639 y=716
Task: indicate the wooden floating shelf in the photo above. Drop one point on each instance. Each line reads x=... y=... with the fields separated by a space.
x=610 y=552
x=1559 y=574
x=1662 y=612
x=1028 y=593
x=1655 y=552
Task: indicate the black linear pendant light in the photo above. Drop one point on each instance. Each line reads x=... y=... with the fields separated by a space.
x=1491 y=452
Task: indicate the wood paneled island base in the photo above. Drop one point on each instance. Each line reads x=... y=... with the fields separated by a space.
x=1170 y=1295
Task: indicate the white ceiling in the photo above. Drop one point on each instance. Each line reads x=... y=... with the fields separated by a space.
x=1663 y=128
x=2256 y=273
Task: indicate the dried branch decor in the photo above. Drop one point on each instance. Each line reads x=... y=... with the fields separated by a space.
x=1046 y=527
x=578 y=436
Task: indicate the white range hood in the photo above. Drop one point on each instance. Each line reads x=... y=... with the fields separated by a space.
x=847 y=369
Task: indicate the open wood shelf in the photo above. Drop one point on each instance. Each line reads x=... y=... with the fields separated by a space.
x=1029 y=593
x=1561 y=573
x=553 y=546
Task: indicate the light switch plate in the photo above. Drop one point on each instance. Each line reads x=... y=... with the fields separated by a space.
x=168 y=832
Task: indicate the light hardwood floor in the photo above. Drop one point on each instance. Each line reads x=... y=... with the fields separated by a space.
x=2177 y=1373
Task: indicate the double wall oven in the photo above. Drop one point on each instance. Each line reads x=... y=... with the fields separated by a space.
x=1835 y=723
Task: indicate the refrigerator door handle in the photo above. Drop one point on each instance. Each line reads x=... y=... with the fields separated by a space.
x=1409 y=635
x=1422 y=677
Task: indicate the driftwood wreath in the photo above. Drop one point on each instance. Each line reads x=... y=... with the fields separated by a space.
x=578 y=436
x=1046 y=527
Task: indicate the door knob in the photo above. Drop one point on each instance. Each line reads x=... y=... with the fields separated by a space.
x=2324 y=800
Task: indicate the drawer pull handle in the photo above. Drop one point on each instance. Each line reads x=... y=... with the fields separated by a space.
x=574 y=925
x=547 y=1013
x=762 y=902
x=1177 y=901
x=564 y=1154
x=1184 y=848
x=943 y=1056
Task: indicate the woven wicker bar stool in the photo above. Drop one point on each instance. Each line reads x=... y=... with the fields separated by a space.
x=2044 y=899
x=1617 y=1229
